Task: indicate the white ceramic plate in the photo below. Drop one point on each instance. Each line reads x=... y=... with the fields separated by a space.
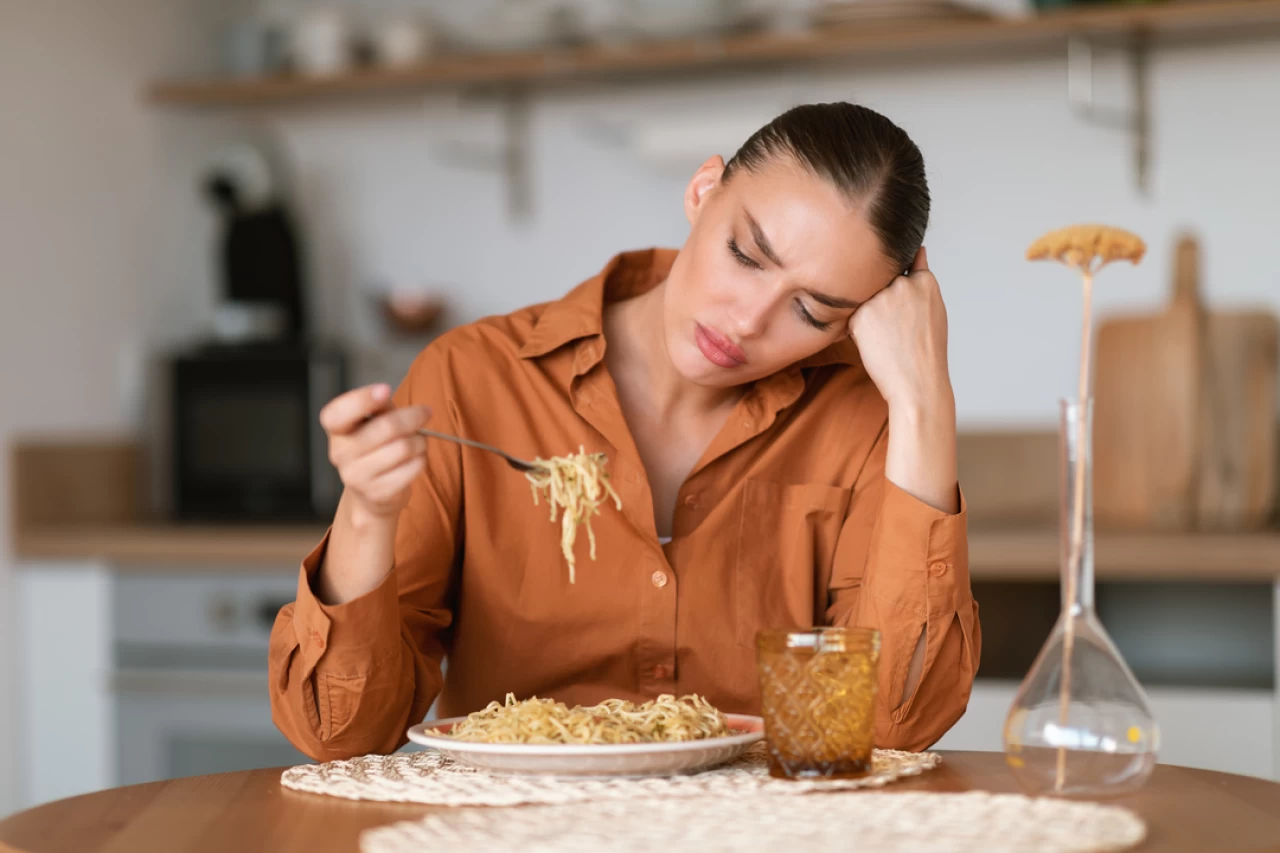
x=623 y=759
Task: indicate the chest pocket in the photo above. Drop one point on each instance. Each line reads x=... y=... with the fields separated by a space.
x=786 y=541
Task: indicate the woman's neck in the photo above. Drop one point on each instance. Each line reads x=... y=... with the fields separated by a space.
x=637 y=356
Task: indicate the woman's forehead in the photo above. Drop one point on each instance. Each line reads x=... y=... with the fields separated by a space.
x=822 y=237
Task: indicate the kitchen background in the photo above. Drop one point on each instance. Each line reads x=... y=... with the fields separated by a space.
x=137 y=656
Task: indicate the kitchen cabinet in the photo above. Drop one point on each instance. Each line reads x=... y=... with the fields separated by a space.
x=65 y=720
x=130 y=676
x=1214 y=729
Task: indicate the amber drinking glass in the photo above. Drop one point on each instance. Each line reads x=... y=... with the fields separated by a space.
x=818 y=698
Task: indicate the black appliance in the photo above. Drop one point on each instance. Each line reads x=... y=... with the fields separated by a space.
x=259 y=252
x=246 y=438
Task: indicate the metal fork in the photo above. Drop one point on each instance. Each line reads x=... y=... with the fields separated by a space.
x=514 y=462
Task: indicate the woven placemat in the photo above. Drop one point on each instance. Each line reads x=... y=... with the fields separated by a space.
x=428 y=777
x=911 y=822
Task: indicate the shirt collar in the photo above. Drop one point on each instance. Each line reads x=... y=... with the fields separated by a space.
x=580 y=313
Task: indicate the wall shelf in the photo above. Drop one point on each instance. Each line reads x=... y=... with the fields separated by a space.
x=1188 y=21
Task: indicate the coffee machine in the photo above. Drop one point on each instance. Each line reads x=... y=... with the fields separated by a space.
x=260 y=277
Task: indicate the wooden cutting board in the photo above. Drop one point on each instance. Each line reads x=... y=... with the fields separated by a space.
x=1147 y=400
x=1237 y=489
x=1184 y=421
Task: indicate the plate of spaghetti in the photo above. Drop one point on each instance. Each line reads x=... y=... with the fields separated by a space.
x=661 y=737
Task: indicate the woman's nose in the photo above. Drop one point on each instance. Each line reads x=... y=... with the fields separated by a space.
x=749 y=316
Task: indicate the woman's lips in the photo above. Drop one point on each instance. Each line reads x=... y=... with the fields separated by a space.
x=718 y=349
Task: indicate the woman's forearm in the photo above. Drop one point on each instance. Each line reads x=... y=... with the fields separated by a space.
x=361 y=551
x=921 y=456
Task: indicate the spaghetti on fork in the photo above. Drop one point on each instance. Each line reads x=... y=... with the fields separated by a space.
x=577 y=485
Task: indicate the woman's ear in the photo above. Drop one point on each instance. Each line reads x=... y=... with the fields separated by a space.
x=703 y=182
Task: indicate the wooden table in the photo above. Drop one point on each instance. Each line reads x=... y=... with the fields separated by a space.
x=1185 y=810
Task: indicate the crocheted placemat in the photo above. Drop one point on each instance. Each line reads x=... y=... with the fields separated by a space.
x=428 y=777
x=759 y=820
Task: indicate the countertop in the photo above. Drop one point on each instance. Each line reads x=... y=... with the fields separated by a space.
x=1029 y=554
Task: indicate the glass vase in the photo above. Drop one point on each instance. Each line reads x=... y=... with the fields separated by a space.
x=1080 y=723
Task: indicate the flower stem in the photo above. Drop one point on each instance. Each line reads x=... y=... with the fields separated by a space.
x=1075 y=549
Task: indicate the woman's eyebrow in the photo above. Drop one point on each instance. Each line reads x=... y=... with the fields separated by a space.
x=762 y=241
x=834 y=301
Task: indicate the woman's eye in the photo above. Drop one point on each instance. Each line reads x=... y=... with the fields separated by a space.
x=740 y=257
x=820 y=325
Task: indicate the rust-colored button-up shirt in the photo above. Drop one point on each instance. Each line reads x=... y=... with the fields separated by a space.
x=786 y=521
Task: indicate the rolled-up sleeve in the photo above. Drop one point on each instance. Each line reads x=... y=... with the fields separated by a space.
x=350 y=679
x=902 y=567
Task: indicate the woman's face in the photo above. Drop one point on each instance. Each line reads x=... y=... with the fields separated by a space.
x=775 y=264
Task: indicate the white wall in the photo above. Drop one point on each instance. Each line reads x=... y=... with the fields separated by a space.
x=1007 y=161
x=100 y=242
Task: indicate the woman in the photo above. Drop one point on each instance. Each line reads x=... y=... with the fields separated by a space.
x=775 y=405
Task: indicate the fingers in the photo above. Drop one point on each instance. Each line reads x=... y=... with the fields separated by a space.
x=366 y=468
x=392 y=425
x=383 y=429
x=390 y=488
x=398 y=478
x=921 y=262
x=375 y=446
x=346 y=412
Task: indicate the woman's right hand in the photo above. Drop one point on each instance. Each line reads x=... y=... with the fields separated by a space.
x=376 y=449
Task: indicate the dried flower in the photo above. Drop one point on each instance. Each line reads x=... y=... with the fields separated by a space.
x=1088 y=248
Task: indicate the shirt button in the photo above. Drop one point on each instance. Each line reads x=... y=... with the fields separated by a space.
x=659 y=579
x=938 y=569
x=691 y=501
x=660 y=672
x=315 y=635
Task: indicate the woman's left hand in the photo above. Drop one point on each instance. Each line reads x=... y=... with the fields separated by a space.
x=901 y=335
